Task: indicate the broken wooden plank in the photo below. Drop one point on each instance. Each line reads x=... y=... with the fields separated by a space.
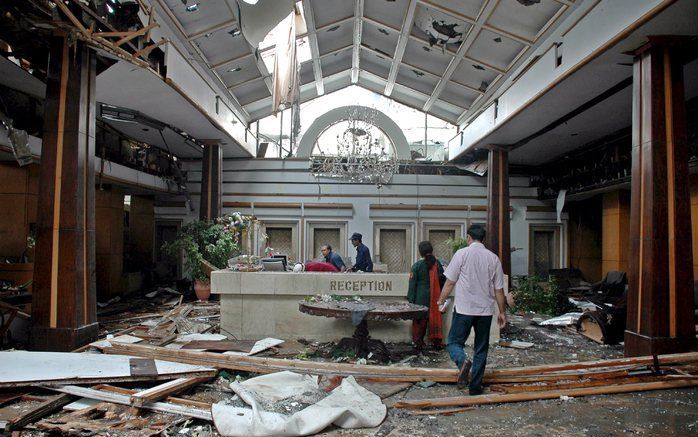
x=221 y=345
x=446 y=411
x=164 y=390
x=22 y=368
x=269 y=365
x=380 y=373
x=117 y=398
x=460 y=401
x=521 y=388
x=170 y=399
x=45 y=408
x=687 y=357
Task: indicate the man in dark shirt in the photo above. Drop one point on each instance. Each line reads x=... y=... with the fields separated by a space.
x=363 y=255
x=332 y=258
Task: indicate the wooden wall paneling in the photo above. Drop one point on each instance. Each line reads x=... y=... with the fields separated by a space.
x=498 y=221
x=660 y=299
x=63 y=304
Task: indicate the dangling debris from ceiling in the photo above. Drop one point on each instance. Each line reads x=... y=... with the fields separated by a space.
x=439 y=27
x=257 y=20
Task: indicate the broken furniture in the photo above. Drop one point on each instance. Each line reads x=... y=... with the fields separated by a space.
x=570 y=281
x=606 y=324
x=359 y=312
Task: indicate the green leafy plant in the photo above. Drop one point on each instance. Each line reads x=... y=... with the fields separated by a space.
x=539 y=296
x=203 y=241
x=457 y=243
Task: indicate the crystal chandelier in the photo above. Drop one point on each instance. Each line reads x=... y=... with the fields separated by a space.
x=360 y=157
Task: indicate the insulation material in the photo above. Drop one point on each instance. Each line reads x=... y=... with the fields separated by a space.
x=347 y=406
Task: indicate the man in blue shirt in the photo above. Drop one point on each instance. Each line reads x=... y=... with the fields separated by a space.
x=363 y=255
x=332 y=258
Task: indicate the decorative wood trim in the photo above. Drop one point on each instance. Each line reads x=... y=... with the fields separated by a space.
x=539 y=208
x=277 y=204
x=237 y=204
x=328 y=205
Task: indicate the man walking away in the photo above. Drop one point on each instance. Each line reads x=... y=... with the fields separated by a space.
x=476 y=273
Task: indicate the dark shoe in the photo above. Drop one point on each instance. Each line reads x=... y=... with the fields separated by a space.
x=464 y=373
x=475 y=391
x=436 y=346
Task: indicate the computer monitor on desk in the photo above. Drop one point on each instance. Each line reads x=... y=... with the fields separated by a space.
x=273 y=265
x=284 y=258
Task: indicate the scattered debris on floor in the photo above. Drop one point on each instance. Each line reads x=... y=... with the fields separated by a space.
x=167 y=370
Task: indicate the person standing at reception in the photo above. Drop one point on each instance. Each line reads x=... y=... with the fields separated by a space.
x=332 y=257
x=426 y=279
x=363 y=255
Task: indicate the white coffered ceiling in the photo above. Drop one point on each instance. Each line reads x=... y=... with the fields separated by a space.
x=391 y=54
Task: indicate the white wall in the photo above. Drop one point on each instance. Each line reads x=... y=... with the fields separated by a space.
x=289 y=182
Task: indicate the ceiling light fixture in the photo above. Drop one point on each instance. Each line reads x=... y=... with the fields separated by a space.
x=192 y=7
x=233 y=70
x=360 y=157
x=234 y=32
x=251 y=2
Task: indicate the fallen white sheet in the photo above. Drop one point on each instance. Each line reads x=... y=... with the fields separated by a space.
x=347 y=406
x=25 y=367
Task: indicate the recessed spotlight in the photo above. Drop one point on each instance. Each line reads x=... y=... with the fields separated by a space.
x=145 y=129
x=234 y=32
x=208 y=35
x=192 y=7
x=384 y=32
x=235 y=69
x=251 y=2
x=333 y=28
x=478 y=67
x=498 y=39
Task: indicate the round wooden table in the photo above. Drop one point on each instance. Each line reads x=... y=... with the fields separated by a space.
x=359 y=312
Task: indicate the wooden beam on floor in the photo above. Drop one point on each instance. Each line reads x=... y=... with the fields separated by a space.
x=162 y=391
x=117 y=398
x=460 y=401
x=44 y=409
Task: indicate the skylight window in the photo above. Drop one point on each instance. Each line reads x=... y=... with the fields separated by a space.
x=266 y=47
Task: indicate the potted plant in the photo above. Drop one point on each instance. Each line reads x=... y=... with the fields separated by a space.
x=457 y=243
x=207 y=245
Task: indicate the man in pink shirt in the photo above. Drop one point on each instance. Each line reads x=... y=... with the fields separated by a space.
x=476 y=273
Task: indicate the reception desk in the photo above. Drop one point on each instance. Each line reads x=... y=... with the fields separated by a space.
x=265 y=304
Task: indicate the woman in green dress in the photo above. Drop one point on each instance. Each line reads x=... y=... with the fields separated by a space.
x=426 y=279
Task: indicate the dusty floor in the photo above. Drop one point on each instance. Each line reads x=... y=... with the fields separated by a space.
x=668 y=412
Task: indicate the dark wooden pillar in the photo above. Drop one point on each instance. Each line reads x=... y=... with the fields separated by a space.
x=660 y=298
x=64 y=314
x=211 y=171
x=498 y=240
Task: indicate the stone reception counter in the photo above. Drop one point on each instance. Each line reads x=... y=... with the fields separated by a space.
x=265 y=304
x=255 y=305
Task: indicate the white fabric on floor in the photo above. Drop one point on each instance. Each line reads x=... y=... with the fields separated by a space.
x=347 y=406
